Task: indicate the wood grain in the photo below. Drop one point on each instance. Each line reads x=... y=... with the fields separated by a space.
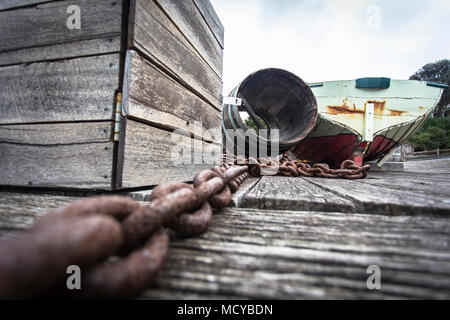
x=56 y=133
x=148 y=158
x=412 y=184
x=9 y=4
x=430 y=177
x=153 y=96
x=238 y=197
x=19 y=211
x=31 y=29
x=191 y=23
x=77 y=155
x=69 y=90
x=372 y=199
x=285 y=254
x=294 y=194
x=211 y=18
x=262 y=254
x=61 y=51
x=152 y=33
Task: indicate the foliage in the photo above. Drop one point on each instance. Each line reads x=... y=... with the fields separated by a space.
x=251 y=124
x=438 y=71
x=434 y=134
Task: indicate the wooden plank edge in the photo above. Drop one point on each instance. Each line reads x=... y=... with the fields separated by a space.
x=16 y=4
x=61 y=51
x=197 y=47
x=127 y=101
x=210 y=16
x=207 y=97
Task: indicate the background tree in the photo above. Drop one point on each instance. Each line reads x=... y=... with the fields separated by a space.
x=434 y=134
x=438 y=71
x=251 y=124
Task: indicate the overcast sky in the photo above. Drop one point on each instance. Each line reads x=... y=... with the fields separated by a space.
x=321 y=40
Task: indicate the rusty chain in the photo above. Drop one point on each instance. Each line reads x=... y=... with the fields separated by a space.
x=284 y=167
x=121 y=245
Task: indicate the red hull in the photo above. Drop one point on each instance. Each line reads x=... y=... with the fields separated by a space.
x=335 y=149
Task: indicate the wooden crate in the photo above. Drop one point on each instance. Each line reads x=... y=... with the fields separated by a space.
x=60 y=91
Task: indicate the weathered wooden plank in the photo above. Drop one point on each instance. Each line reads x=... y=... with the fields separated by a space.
x=191 y=23
x=429 y=187
x=78 y=156
x=57 y=133
x=154 y=34
x=195 y=278
x=239 y=196
x=268 y=255
x=260 y=254
x=211 y=18
x=45 y=25
x=294 y=194
x=321 y=229
x=18 y=211
x=437 y=166
x=153 y=156
x=9 y=4
x=373 y=199
x=61 y=51
x=80 y=166
x=429 y=176
x=69 y=90
x=153 y=96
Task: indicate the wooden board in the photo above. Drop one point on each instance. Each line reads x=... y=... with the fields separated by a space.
x=430 y=177
x=153 y=96
x=412 y=184
x=69 y=90
x=148 y=156
x=266 y=254
x=260 y=254
x=56 y=133
x=62 y=155
x=211 y=18
x=9 y=4
x=152 y=33
x=62 y=51
x=31 y=29
x=238 y=197
x=373 y=199
x=284 y=254
x=18 y=211
x=188 y=19
x=434 y=168
x=294 y=194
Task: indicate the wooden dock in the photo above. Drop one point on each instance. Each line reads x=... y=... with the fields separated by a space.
x=294 y=238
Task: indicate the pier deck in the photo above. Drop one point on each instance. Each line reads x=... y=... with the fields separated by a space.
x=294 y=238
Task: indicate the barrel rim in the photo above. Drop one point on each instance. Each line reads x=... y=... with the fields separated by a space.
x=302 y=83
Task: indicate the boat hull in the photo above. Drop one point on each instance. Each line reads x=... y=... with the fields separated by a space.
x=366 y=121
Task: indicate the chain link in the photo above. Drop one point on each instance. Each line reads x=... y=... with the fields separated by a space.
x=285 y=167
x=120 y=244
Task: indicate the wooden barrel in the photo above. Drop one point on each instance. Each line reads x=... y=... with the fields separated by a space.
x=278 y=97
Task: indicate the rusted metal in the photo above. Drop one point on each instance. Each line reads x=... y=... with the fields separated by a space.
x=130 y=275
x=284 y=167
x=35 y=264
